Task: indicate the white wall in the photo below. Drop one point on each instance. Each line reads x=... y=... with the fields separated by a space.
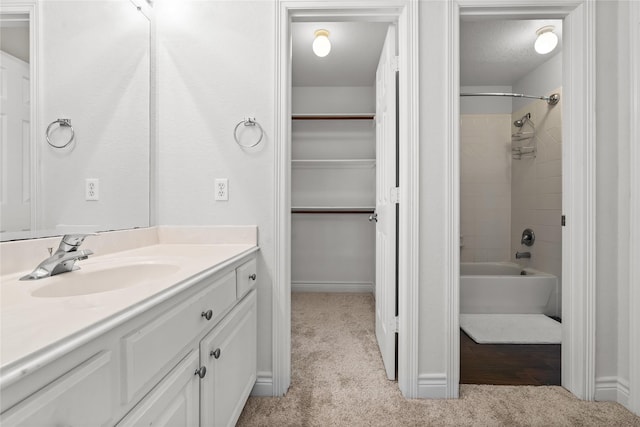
x=333 y=99
x=94 y=70
x=433 y=130
x=608 y=143
x=540 y=81
x=216 y=65
x=624 y=119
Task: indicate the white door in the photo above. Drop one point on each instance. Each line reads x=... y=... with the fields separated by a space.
x=385 y=203
x=15 y=183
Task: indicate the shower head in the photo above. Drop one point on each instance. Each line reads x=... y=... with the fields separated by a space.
x=519 y=123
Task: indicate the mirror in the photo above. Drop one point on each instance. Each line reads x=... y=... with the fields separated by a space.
x=87 y=62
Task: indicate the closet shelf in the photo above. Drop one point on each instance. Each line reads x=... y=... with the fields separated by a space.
x=348 y=116
x=334 y=164
x=333 y=209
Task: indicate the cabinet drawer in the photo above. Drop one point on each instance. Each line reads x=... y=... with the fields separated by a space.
x=81 y=397
x=246 y=278
x=148 y=350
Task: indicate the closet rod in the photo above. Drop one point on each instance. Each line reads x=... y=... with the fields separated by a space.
x=333 y=116
x=331 y=211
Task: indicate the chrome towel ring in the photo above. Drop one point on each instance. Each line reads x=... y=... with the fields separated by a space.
x=248 y=121
x=61 y=123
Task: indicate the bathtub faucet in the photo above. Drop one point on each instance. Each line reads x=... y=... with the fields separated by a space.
x=520 y=255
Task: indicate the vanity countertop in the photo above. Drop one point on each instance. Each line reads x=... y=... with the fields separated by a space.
x=35 y=330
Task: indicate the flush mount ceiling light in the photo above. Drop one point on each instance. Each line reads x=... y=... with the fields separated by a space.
x=321 y=43
x=547 y=40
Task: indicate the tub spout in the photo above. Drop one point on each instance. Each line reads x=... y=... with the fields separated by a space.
x=520 y=255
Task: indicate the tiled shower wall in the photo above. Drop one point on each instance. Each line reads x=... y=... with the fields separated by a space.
x=485 y=187
x=536 y=190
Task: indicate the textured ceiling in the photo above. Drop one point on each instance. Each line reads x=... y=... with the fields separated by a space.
x=355 y=51
x=501 y=52
x=492 y=53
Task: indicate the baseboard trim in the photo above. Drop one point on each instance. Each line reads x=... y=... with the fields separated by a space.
x=432 y=386
x=264 y=385
x=612 y=389
x=355 y=287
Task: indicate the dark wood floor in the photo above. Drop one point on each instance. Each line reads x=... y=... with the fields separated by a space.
x=508 y=364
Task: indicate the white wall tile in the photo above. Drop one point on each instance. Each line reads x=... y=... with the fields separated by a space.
x=536 y=190
x=485 y=187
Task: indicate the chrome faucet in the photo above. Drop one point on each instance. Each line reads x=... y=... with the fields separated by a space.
x=63 y=259
x=520 y=255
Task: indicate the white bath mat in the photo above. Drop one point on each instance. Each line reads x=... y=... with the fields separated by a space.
x=511 y=328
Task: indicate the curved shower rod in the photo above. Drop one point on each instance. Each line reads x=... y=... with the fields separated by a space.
x=552 y=99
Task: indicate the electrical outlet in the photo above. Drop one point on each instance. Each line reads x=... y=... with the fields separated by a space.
x=222 y=189
x=92 y=189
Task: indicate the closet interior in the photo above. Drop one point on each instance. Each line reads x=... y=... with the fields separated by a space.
x=333 y=192
x=333 y=166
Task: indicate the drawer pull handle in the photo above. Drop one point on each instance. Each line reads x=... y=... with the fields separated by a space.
x=215 y=353
x=201 y=372
x=207 y=314
x=253 y=276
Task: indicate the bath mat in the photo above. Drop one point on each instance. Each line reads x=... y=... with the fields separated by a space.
x=511 y=328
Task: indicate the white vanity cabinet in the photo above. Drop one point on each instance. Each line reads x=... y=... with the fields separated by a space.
x=210 y=386
x=190 y=360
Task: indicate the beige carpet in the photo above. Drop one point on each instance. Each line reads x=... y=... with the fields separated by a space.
x=338 y=380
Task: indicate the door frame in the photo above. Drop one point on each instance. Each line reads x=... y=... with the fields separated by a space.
x=634 y=214
x=579 y=175
x=405 y=12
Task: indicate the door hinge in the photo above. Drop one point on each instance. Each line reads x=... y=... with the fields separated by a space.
x=563 y=222
x=395 y=63
x=396 y=324
x=395 y=195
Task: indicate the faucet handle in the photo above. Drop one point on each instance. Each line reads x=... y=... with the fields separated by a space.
x=72 y=241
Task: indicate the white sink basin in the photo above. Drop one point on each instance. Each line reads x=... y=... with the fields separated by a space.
x=84 y=282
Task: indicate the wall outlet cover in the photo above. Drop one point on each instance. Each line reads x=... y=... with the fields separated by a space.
x=92 y=189
x=222 y=189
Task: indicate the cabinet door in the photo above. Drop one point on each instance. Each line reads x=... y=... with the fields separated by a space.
x=173 y=402
x=229 y=354
x=81 y=397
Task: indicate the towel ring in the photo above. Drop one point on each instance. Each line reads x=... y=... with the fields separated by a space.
x=61 y=123
x=248 y=121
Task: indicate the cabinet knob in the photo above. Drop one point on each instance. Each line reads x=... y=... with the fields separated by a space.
x=201 y=371
x=207 y=314
x=215 y=353
x=253 y=276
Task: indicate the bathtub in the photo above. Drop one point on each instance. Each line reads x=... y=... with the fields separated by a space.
x=500 y=287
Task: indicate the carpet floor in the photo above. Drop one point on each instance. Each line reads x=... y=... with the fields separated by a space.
x=337 y=379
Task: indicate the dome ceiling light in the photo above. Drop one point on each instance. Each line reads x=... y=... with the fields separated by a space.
x=547 y=40
x=321 y=43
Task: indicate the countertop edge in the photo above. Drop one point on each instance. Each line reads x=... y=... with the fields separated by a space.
x=19 y=368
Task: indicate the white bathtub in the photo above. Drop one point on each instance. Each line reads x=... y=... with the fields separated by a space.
x=499 y=287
